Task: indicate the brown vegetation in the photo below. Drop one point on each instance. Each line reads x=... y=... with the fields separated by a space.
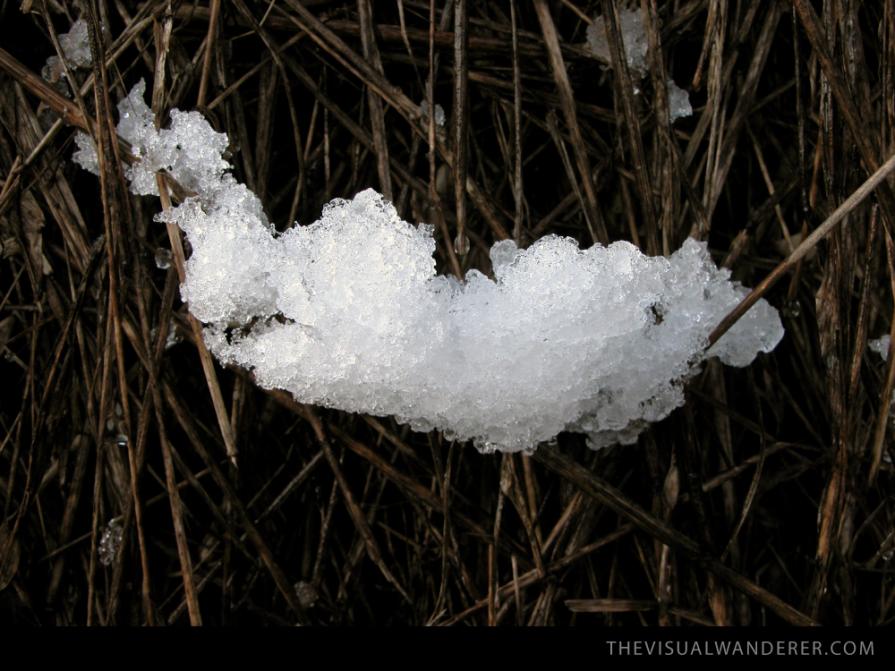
x=766 y=499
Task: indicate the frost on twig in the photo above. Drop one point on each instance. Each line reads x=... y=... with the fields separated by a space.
x=349 y=312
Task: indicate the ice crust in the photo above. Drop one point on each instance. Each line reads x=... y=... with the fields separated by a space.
x=349 y=313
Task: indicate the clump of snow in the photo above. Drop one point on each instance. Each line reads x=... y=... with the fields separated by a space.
x=439 y=112
x=75 y=46
x=349 y=313
x=189 y=149
x=678 y=102
x=881 y=347
x=307 y=594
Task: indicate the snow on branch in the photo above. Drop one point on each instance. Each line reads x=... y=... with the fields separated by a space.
x=349 y=313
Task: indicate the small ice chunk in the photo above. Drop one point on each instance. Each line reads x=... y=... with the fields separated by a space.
x=633 y=35
x=678 y=102
x=881 y=346
x=439 y=112
x=85 y=155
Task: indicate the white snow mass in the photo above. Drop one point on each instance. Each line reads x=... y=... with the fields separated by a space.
x=349 y=313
